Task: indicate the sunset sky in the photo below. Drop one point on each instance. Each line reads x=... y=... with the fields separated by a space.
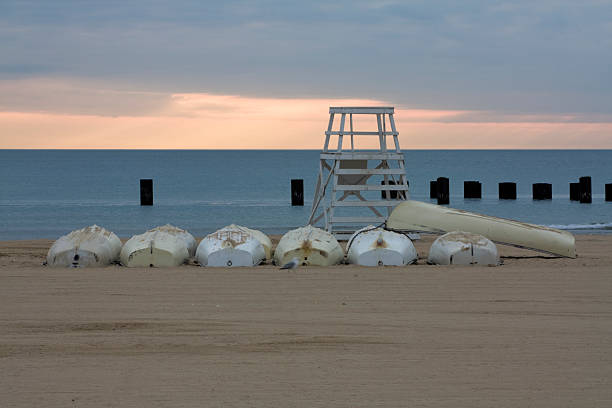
x=262 y=74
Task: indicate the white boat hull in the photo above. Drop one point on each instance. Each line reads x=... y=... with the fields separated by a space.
x=262 y=238
x=159 y=247
x=88 y=247
x=372 y=246
x=422 y=217
x=463 y=248
x=231 y=246
x=311 y=246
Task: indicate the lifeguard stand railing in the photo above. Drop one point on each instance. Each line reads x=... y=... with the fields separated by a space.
x=357 y=186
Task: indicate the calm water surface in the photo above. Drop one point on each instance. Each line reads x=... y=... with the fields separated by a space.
x=47 y=193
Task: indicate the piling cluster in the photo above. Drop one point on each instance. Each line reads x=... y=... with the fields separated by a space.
x=439 y=190
x=579 y=191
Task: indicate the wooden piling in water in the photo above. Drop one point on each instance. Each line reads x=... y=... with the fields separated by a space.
x=608 y=192
x=433 y=189
x=392 y=193
x=542 y=191
x=472 y=189
x=585 y=190
x=507 y=191
x=146 y=191
x=574 y=191
x=443 y=190
x=297 y=192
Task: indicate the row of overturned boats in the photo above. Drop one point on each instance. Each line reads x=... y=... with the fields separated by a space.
x=238 y=246
x=466 y=238
x=230 y=246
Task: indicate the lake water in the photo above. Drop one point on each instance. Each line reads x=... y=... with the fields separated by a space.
x=47 y=193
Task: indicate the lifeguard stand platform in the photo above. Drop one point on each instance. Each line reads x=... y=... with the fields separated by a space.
x=365 y=183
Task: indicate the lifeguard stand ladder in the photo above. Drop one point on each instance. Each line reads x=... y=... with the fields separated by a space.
x=357 y=174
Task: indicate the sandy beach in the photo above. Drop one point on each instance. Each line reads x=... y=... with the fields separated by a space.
x=536 y=331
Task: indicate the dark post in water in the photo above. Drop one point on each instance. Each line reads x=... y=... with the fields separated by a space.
x=443 y=193
x=392 y=193
x=585 y=190
x=609 y=192
x=507 y=191
x=472 y=189
x=297 y=192
x=542 y=191
x=146 y=191
x=574 y=191
x=433 y=189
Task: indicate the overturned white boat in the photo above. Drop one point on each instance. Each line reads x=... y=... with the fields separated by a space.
x=310 y=245
x=422 y=217
x=90 y=246
x=233 y=245
x=463 y=248
x=159 y=247
x=262 y=238
x=372 y=246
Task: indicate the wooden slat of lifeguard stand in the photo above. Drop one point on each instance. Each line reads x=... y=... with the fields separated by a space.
x=348 y=172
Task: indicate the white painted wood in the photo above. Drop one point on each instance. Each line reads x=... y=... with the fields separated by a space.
x=311 y=245
x=381 y=140
x=370 y=187
x=370 y=171
x=378 y=203
x=361 y=109
x=463 y=248
x=231 y=246
x=346 y=155
x=359 y=133
x=354 y=178
x=395 y=134
x=87 y=247
x=348 y=179
x=329 y=128
x=163 y=246
x=352 y=134
x=372 y=246
x=417 y=216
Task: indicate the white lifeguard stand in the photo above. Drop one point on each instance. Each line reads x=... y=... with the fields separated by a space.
x=357 y=174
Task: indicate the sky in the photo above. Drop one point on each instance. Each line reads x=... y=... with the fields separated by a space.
x=262 y=74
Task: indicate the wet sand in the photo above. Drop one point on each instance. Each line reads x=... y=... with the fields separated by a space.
x=536 y=331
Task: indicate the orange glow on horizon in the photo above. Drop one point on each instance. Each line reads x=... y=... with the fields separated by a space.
x=206 y=121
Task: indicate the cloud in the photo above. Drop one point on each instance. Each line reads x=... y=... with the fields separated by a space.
x=67 y=114
x=78 y=97
x=536 y=57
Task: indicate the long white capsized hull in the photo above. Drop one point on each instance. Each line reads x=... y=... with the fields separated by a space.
x=422 y=217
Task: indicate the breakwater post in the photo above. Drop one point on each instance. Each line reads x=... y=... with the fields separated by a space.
x=574 y=191
x=297 y=192
x=472 y=189
x=392 y=193
x=146 y=191
x=433 y=189
x=507 y=191
x=609 y=192
x=442 y=190
x=585 y=190
x=542 y=191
